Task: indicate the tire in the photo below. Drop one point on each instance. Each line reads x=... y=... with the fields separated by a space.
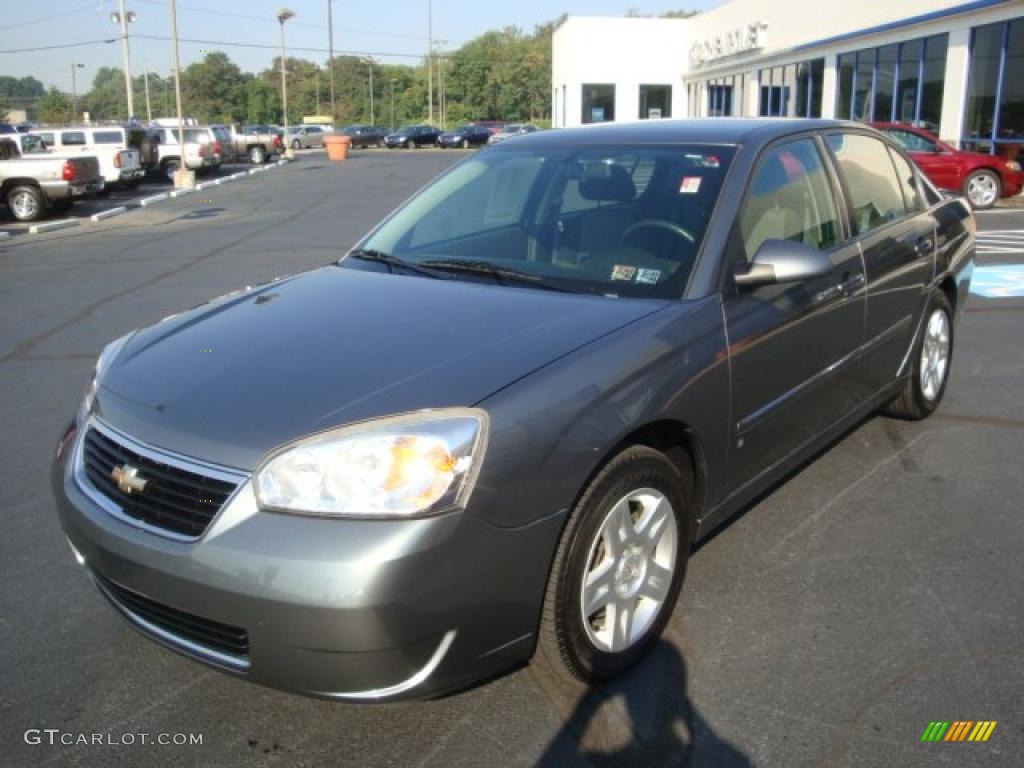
x=169 y=167
x=257 y=156
x=26 y=203
x=983 y=189
x=932 y=358
x=574 y=647
x=465 y=143
x=296 y=144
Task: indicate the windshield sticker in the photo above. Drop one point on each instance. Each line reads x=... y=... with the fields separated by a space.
x=690 y=185
x=648 y=276
x=623 y=272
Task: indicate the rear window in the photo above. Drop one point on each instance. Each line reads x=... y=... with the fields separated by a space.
x=875 y=194
x=107 y=137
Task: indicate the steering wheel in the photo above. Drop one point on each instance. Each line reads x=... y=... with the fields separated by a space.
x=672 y=227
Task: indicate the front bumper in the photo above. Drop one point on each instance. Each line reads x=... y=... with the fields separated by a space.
x=343 y=609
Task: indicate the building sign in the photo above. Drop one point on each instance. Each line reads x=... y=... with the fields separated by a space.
x=750 y=37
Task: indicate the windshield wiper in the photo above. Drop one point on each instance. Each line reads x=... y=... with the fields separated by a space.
x=369 y=254
x=501 y=275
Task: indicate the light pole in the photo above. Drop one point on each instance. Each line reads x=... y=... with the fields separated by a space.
x=282 y=16
x=370 y=62
x=74 y=89
x=430 y=62
x=330 y=56
x=393 y=104
x=149 y=108
x=123 y=18
x=183 y=177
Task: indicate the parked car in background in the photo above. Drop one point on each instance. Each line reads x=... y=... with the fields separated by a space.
x=576 y=354
x=492 y=125
x=512 y=129
x=982 y=179
x=305 y=136
x=34 y=184
x=120 y=164
x=254 y=143
x=365 y=135
x=412 y=136
x=6 y=128
x=465 y=136
x=198 y=154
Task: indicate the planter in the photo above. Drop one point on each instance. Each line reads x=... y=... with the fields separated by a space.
x=337 y=147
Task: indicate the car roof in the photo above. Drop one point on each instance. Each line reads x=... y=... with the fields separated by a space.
x=711 y=130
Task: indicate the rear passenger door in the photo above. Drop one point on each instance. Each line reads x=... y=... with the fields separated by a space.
x=897 y=237
x=792 y=345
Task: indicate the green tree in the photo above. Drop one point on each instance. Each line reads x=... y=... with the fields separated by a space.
x=214 y=90
x=53 y=107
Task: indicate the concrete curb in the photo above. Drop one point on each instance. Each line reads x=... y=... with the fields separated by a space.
x=183 y=191
x=50 y=226
x=152 y=199
x=205 y=185
x=108 y=213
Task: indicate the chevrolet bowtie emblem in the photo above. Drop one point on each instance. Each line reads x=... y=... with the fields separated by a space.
x=128 y=480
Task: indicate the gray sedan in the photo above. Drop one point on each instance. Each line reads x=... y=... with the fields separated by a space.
x=494 y=430
x=305 y=137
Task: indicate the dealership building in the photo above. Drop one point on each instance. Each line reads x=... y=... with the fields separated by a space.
x=954 y=67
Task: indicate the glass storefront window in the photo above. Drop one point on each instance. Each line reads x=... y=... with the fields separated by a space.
x=598 y=103
x=894 y=83
x=994 y=121
x=655 y=101
x=725 y=96
x=793 y=90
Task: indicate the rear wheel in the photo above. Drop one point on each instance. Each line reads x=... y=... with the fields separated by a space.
x=26 y=203
x=257 y=155
x=983 y=189
x=618 y=568
x=932 y=355
x=170 y=167
x=296 y=144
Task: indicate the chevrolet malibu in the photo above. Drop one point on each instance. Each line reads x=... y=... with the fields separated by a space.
x=494 y=429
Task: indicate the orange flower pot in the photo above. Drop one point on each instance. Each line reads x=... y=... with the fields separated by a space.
x=337 y=146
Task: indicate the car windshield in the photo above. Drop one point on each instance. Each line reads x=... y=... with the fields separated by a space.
x=405 y=130
x=617 y=221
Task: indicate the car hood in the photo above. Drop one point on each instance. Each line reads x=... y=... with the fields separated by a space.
x=230 y=380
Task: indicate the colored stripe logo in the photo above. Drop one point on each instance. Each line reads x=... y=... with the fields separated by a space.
x=959 y=730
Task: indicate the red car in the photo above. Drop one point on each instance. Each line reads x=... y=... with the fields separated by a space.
x=982 y=179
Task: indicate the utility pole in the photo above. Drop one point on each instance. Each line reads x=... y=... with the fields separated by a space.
x=74 y=90
x=370 y=62
x=183 y=177
x=330 y=57
x=122 y=18
x=430 y=62
x=392 y=104
x=149 y=109
x=282 y=16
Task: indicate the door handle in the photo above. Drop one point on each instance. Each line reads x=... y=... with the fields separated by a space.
x=923 y=246
x=851 y=285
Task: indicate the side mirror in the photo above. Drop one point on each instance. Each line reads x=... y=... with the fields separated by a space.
x=783 y=261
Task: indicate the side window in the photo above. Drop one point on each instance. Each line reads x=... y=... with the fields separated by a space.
x=913 y=142
x=106 y=137
x=790 y=199
x=73 y=138
x=875 y=194
x=47 y=137
x=908 y=182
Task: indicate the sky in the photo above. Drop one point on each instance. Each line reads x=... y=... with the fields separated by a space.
x=393 y=30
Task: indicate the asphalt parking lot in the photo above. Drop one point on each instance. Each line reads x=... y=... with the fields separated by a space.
x=874 y=592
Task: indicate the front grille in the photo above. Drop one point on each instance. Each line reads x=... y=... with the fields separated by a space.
x=205 y=633
x=173 y=499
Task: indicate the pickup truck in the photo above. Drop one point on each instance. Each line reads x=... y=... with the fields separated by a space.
x=34 y=184
x=120 y=164
x=252 y=142
x=199 y=154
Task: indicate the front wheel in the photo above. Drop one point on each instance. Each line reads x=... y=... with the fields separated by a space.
x=170 y=167
x=618 y=568
x=983 y=189
x=296 y=144
x=256 y=155
x=26 y=203
x=932 y=355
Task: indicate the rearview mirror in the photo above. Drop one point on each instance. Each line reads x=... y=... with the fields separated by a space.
x=783 y=261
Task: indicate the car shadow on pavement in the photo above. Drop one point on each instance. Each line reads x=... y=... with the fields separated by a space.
x=644 y=718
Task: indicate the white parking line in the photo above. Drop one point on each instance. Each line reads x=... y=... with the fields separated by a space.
x=109 y=213
x=153 y=199
x=4 y=235
x=183 y=191
x=50 y=226
x=1000 y=241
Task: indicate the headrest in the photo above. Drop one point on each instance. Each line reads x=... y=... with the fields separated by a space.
x=606 y=182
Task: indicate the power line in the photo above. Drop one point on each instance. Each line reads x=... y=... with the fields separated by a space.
x=268 y=46
x=41 y=19
x=55 y=47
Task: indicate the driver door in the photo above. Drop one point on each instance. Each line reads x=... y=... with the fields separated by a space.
x=792 y=345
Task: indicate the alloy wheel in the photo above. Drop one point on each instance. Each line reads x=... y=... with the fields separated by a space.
x=24 y=205
x=934 y=354
x=630 y=565
x=982 y=190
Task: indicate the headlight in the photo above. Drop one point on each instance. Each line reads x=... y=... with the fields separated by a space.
x=108 y=354
x=1013 y=165
x=420 y=463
